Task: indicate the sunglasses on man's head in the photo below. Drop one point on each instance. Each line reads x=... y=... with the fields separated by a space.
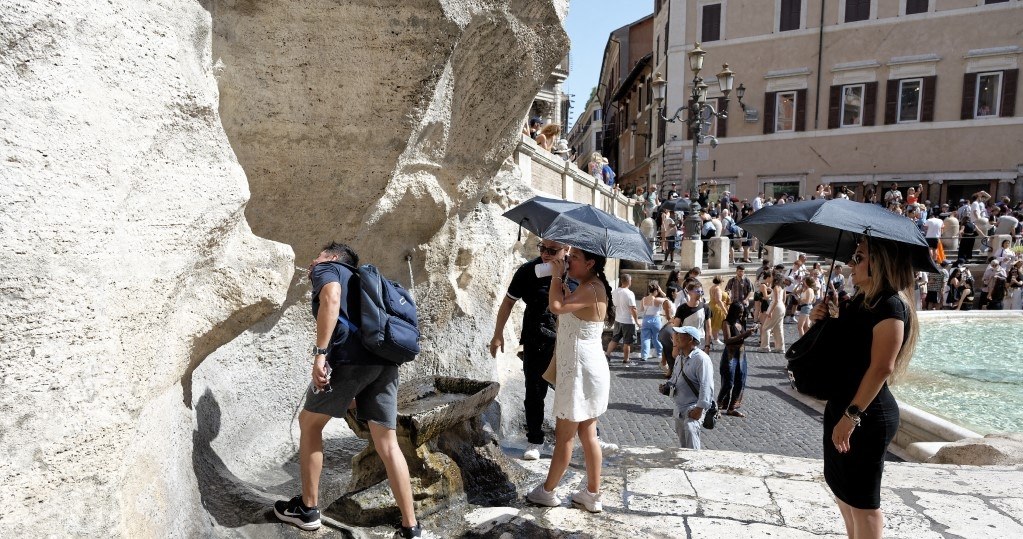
x=547 y=250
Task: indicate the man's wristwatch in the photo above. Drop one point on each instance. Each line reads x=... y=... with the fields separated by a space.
x=854 y=414
x=317 y=351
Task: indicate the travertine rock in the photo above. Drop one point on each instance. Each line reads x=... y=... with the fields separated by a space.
x=993 y=449
x=126 y=260
x=149 y=368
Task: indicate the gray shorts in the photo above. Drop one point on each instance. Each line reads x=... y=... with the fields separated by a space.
x=623 y=333
x=374 y=388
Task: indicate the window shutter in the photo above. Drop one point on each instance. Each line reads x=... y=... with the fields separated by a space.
x=1010 y=78
x=969 y=85
x=891 y=102
x=930 y=84
x=770 y=102
x=801 y=110
x=835 y=108
x=869 y=111
x=711 y=23
x=722 y=122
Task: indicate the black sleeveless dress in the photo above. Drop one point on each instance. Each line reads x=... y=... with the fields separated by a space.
x=855 y=476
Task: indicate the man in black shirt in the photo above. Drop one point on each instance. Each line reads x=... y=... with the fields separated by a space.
x=537 y=337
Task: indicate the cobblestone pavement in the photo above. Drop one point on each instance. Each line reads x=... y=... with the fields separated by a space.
x=775 y=422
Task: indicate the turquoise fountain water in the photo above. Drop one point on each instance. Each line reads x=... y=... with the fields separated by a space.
x=968 y=370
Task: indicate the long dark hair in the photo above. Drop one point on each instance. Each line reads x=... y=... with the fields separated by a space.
x=598 y=267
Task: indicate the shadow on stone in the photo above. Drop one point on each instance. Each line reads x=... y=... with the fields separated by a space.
x=637 y=409
x=508 y=526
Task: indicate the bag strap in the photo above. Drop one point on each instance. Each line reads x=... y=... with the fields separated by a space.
x=682 y=371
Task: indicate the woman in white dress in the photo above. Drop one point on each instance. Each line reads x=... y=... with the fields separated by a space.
x=583 y=378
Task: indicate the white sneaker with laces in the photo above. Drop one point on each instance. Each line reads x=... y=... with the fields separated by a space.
x=719 y=342
x=588 y=500
x=532 y=452
x=543 y=497
x=607 y=447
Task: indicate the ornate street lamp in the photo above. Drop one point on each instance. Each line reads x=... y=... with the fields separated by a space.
x=697 y=111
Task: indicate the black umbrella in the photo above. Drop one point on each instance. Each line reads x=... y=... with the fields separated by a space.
x=676 y=204
x=831 y=228
x=582 y=226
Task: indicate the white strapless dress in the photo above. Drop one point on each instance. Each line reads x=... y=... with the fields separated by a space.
x=583 y=379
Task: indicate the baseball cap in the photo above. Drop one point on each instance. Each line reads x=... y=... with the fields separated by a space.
x=693 y=332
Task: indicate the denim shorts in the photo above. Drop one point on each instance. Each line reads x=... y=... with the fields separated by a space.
x=374 y=388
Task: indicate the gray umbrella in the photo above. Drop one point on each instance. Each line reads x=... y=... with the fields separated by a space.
x=582 y=226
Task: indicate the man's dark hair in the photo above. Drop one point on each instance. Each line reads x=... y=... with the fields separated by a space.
x=740 y=267
x=344 y=253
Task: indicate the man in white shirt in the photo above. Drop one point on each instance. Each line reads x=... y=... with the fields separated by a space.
x=758 y=202
x=933 y=228
x=626 y=318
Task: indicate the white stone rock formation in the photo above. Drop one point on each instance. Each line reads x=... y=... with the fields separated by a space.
x=153 y=347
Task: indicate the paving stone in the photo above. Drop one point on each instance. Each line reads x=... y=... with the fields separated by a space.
x=659 y=482
x=740 y=511
x=721 y=487
x=663 y=505
x=714 y=528
x=967 y=516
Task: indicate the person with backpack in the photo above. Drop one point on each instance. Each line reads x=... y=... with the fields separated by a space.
x=345 y=370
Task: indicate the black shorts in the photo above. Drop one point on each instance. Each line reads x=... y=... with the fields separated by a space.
x=932 y=296
x=624 y=333
x=932 y=242
x=374 y=388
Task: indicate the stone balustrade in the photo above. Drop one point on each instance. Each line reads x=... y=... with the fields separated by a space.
x=558 y=178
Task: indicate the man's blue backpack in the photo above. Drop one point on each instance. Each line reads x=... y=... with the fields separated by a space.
x=389 y=324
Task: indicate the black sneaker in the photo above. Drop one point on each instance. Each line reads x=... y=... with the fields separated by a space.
x=293 y=512
x=409 y=533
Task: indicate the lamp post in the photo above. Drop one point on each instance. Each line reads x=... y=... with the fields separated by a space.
x=697 y=110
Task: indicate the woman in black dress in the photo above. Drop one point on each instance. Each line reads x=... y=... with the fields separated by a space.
x=880 y=330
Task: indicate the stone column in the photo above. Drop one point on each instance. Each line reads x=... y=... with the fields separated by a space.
x=776 y=255
x=692 y=254
x=718 y=253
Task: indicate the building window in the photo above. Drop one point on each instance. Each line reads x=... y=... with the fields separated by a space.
x=790 y=15
x=857 y=10
x=711 y=23
x=852 y=105
x=785 y=112
x=995 y=1
x=989 y=89
x=776 y=190
x=908 y=107
x=596 y=115
x=916 y=6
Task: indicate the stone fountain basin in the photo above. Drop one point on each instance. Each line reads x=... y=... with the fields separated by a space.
x=430 y=405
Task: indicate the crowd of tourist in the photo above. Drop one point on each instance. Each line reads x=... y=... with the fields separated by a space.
x=979 y=230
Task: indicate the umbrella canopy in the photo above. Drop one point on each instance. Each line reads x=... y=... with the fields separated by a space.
x=675 y=204
x=582 y=226
x=831 y=228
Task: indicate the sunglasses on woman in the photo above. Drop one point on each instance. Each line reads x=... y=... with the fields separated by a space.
x=856 y=259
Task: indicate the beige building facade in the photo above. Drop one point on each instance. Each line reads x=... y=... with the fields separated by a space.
x=905 y=91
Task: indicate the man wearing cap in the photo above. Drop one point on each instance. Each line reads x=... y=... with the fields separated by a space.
x=693 y=381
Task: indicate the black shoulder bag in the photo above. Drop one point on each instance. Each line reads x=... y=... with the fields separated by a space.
x=811 y=362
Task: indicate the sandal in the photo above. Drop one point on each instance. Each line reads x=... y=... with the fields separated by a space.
x=735 y=413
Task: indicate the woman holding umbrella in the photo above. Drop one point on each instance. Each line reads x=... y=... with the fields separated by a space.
x=861 y=418
x=583 y=380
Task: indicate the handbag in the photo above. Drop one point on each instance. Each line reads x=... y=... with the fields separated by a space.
x=711 y=417
x=551 y=374
x=811 y=366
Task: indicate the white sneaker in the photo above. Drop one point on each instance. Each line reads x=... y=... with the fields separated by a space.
x=607 y=447
x=540 y=496
x=588 y=500
x=532 y=452
x=719 y=342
